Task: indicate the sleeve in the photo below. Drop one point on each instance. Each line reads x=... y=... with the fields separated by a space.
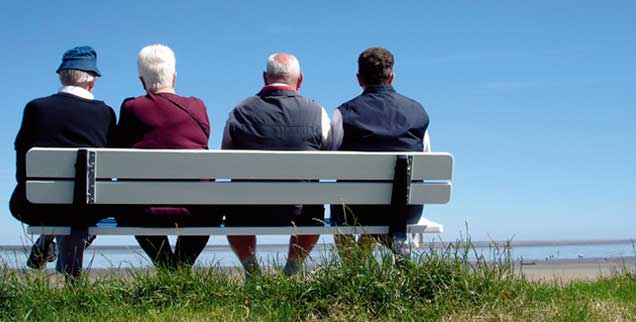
x=206 y=119
x=112 y=130
x=126 y=132
x=23 y=141
x=337 y=131
x=226 y=142
x=426 y=142
x=326 y=130
x=25 y=132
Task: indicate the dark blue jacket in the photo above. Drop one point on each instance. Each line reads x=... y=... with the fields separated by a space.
x=60 y=120
x=63 y=120
x=276 y=119
x=380 y=119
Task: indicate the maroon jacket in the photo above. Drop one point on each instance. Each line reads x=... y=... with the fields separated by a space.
x=154 y=122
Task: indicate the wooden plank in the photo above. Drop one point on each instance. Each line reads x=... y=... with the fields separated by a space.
x=234 y=164
x=246 y=193
x=50 y=192
x=220 y=231
x=51 y=163
x=423 y=193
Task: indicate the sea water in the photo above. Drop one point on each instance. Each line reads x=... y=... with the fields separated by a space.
x=219 y=253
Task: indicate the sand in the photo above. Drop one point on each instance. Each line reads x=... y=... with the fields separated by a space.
x=566 y=270
x=555 y=270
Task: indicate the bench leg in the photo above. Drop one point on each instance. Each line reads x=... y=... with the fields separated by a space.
x=71 y=253
x=417 y=239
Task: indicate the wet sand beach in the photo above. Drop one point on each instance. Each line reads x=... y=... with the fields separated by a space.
x=565 y=270
x=557 y=270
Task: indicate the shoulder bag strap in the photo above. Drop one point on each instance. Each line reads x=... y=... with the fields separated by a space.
x=205 y=131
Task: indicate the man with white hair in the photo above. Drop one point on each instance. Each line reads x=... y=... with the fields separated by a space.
x=277 y=118
x=71 y=118
x=161 y=119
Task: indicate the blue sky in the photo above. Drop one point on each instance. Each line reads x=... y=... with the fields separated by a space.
x=536 y=100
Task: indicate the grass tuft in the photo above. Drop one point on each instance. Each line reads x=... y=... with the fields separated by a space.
x=450 y=284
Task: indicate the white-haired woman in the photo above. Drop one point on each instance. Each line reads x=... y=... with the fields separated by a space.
x=161 y=119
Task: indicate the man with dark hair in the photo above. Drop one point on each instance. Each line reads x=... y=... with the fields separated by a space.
x=71 y=118
x=379 y=119
x=375 y=66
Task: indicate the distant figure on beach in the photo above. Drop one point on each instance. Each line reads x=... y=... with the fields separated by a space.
x=277 y=118
x=71 y=118
x=379 y=119
x=161 y=119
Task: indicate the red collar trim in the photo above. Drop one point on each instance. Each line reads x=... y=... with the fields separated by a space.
x=278 y=87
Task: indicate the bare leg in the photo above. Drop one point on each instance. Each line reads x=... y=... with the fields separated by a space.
x=299 y=247
x=245 y=249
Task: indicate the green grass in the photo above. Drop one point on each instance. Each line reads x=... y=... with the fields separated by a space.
x=440 y=285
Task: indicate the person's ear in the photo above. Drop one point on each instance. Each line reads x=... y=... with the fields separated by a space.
x=360 y=82
x=299 y=82
x=174 y=79
x=390 y=80
x=143 y=83
x=91 y=86
x=265 y=78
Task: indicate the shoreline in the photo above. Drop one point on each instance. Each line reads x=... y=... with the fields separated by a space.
x=436 y=244
x=561 y=271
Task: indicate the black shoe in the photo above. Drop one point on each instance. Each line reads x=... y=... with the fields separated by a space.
x=250 y=264
x=42 y=252
x=401 y=247
x=89 y=240
x=292 y=267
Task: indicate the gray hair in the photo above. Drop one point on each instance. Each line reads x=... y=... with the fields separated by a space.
x=156 y=65
x=282 y=67
x=75 y=77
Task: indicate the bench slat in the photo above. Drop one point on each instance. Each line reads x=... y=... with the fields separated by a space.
x=216 y=231
x=235 y=164
x=248 y=193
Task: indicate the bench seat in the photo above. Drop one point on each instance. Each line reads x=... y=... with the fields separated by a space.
x=97 y=176
x=423 y=227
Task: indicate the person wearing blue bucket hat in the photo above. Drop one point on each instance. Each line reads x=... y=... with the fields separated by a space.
x=70 y=118
x=82 y=58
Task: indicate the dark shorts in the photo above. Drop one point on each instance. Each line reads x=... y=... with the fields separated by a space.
x=146 y=216
x=370 y=215
x=296 y=215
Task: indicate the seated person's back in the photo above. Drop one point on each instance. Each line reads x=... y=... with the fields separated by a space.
x=161 y=119
x=380 y=119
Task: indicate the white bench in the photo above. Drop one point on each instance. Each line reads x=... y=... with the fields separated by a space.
x=121 y=176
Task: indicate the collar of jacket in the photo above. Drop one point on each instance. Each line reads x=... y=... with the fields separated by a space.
x=378 y=88
x=278 y=90
x=77 y=91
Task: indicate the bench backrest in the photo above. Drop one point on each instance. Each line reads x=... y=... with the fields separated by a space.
x=173 y=177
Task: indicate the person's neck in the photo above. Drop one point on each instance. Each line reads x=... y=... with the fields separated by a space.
x=169 y=90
